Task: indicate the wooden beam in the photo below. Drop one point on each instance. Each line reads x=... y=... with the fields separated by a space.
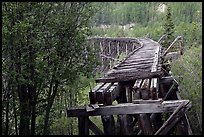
x=114 y=91
x=143 y=69
x=145 y=124
x=83 y=125
x=171 y=89
x=153 y=88
x=100 y=93
x=185 y=119
x=161 y=38
x=108 y=124
x=157 y=122
x=127 y=108
x=174 y=118
x=124 y=39
x=94 y=128
x=132 y=66
x=136 y=63
x=156 y=60
x=126 y=77
x=128 y=94
x=125 y=125
x=172 y=44
x=141 y=101
x=167 y=79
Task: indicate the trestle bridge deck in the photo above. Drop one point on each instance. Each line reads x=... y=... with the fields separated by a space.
x=145 y=93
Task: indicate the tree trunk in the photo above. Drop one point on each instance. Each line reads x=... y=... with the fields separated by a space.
x=7 y=117
x=33 y=99
x=48 y=108
x=24 y=108
x=14 y=111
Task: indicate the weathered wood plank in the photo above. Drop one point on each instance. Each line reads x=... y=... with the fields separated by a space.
x=106 y=87
x=91 y=107
x=126 y=77
x=99 y=97
x=83 y=125
x=174 y=118
x=153 y=88
x=172 y=44
x=127 y=108
x=108 y=124
x=137 y=60
x=145 y=124
x=92 y=97
x=98 y=86
x=141 y=101
x=185 y=119
x=167 y=79
x=125 y=125
x=136 y=63
x=138 y=84
x=128 y=94
x=156 y=59
x=136 y=89
x=170 y=91
x=114 y=91
x=141 y=66
x=131 y=53
x=157 y=122
x=100 y=93
x=94 y=128
x=108 y=98
x=140 y=58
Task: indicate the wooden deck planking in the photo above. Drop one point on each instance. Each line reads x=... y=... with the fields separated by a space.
x=142 y=60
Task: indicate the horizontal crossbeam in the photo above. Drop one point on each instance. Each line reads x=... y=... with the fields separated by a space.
x=127 y=108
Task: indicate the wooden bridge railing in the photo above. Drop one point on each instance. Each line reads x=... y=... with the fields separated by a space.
x=108 y=49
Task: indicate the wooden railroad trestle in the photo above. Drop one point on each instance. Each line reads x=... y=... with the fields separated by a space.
x=145 y=93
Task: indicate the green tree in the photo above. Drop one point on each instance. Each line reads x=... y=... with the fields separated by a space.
x=43 y=48
x=168 y=28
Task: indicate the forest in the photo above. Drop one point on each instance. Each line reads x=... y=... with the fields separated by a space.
x=47 y=65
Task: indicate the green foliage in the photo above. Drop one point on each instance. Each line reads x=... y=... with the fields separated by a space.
x=64 y=126
x=44 y=47
x=189 y=67
x=168 y=29
x=148 y=19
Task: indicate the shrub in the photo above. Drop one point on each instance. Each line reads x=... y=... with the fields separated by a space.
x=189 y=67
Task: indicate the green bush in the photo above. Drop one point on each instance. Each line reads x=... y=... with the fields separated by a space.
x=189 y=67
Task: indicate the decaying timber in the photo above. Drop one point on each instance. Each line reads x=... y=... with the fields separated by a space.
x=142 y=87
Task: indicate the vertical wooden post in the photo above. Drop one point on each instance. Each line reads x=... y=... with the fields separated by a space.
x=108 y=124
x=133 y=46
x=92 y=97
x=109 y=52
x=101 y=48
x=126 y=49
x=124 y=121
x=156 y=120
x=144 y=119
x=125 y=124
x=145 y=124
x=184 y=126
x=83 y=125
x=128 y=94
x=118 y=48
